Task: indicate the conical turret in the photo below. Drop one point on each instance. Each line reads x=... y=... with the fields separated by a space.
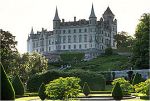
x=32 y=32
x=56 y=18
x=92 y=15
x=108 y=15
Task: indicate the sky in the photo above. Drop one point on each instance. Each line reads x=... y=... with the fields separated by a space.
x=19 y=16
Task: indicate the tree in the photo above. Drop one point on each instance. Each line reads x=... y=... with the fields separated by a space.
x=86 y=89
x=7 y=90
x=8 y=50
x=117 y=92
x=41 y=92
x=18 y=86
x=63 y=88
x=141 y=47
x=108 y=51
x=137 y=79
x=123 y=39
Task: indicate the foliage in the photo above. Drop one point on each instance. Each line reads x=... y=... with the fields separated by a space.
x=142 y=87
x=123 y=39
x=117 y=92
x=86 y=89
x=108 y=51
x=102 y=63
x=113 y=75
x=141 y=47
x=18 y=86
x=137 y=79
x=7 y=90
x=8 y=50
x=41 y=92
x=124 y=84
x=72 y=57
x=63 y=88
x=130 y=75
x=96 y=81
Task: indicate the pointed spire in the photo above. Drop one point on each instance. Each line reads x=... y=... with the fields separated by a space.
x=108 y=12
x=32 y=32
x=92 y=15
x=56 y=18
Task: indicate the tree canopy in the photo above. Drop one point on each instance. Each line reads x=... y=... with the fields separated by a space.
x=141 y=46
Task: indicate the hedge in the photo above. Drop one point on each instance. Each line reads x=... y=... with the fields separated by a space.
x=7 y=90
x=95 y=81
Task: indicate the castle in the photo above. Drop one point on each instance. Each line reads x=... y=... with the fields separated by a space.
x=90 y=36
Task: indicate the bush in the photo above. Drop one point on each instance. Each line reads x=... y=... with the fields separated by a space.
x=142 y=87
x=63 y=88
x=7 y=89
x=117 y=92
x=86 y=89
x=137 y=79
x=126 y=87
x=95 y=81
x=108 y=51
x=18 y=86
x=41 y=92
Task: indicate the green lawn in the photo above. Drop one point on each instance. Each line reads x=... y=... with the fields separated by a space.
x=103 y=63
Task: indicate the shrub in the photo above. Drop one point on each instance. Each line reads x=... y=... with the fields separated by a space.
x=41 y=92
x=126 y=87
x=108 y=51
x=96 y=81
x=7 y=89
x=86 y=89
x=142 y=87
x=63 y=88
x=18 y=86
x=117 y=92
x=137 y=79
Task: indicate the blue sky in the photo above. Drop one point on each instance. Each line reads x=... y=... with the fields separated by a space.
x=18 y=16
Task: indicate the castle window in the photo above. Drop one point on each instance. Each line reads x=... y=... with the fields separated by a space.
x=64 y=39
x=64 y=47
x=49 y=42
x=74 y=30
x=74 y=46
x=36 y=50
x=79 y=30
x=33 y=44
x=69 y=39
x=64 y=31
x=49 y=48
x=69 y=31
x=85 y=30
x=80 y=38
x=85 y=38
x=36 y=44
x=80 y=46
x=74 y=38
x=69 y=46
x=90 y=39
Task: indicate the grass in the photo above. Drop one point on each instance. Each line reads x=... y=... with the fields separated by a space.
x=103 y=63
x=27 y=98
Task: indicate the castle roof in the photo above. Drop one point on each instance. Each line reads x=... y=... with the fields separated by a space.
x=56 y=18
x=108 y=12
x=92 y=15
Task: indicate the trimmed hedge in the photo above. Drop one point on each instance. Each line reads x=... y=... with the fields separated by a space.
x=41 y=92
x=7 y=90
x=137 y=79
x=18 y=86
x=86 y=89
x=95 y=81
x=117 y=92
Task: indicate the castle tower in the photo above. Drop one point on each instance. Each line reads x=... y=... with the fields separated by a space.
x=56 y=20
x=92 y=18
x=32 y=32
x=108 y=15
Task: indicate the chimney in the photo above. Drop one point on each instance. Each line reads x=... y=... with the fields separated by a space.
x=74 y=19
x=63 y=20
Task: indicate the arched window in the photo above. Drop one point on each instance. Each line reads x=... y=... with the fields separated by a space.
x=69 y=39
x=74 y=38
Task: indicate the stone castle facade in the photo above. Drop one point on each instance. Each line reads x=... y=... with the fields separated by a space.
x=90 y=36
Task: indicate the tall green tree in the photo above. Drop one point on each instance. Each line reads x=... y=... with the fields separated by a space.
x=8 y=50
x=123 y=39
x=141 y=46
